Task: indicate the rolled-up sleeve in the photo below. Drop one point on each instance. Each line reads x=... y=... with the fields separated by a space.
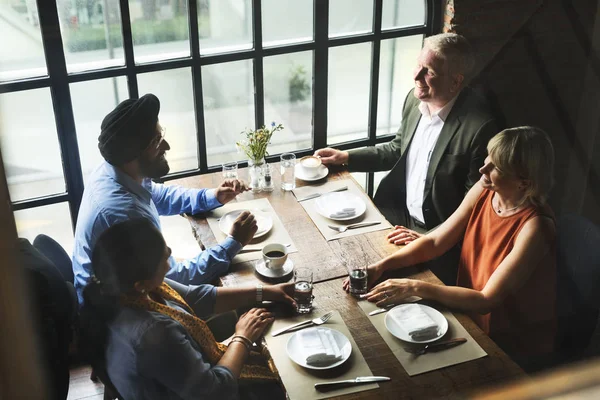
x=206 y=266
x=173 y=199
x=167 y=355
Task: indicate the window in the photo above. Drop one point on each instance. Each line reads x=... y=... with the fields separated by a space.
x=330 y=73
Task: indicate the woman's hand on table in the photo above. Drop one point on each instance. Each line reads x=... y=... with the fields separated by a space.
x=374 y=272
x=244 y=227
x=253 y=323
x=392 y=291
x=283 y=293
x=229 y=189
x=402 y=235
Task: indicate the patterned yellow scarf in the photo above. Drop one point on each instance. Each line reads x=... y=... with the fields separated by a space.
x=258 y=366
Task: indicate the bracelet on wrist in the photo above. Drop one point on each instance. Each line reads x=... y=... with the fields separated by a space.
x=238 y=340
x=243 y=338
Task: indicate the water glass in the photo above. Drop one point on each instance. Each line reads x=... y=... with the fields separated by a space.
x=230 y=170
x=359 y=279
x=303 y=287
x=288 y=175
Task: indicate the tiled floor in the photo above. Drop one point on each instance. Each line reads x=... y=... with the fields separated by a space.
x=82 y=387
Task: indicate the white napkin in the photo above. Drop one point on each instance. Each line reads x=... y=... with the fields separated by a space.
x=320 y=346
x=414 y=321
x=343 y=213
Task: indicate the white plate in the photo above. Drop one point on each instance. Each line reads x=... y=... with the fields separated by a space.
x=263 y=221
x=331 y=203
x=298 y=354
x=401 y=334
x=301 y=174
x=262 y=269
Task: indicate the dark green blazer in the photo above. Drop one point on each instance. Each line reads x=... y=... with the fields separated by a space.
x=454 y=166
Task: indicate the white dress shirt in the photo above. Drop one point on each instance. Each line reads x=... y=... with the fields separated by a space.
x=419 y=153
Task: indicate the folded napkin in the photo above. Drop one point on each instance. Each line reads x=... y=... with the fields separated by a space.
x=414 y=321
x=343 y=213
x=320 y=346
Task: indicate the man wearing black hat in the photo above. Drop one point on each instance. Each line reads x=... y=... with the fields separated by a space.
x=133 y=144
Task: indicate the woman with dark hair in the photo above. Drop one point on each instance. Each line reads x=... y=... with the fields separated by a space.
x=153 y=340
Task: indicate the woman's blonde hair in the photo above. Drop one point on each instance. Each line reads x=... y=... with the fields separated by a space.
x=525 y=152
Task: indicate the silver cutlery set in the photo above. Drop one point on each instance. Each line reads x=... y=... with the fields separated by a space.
x=416 y=350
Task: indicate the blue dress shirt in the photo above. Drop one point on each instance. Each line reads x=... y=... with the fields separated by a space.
x=151 y=356
x=111 y=196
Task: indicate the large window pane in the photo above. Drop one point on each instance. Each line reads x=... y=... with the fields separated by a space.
x=287 y=21
x=174 y=90
x=397 y=62
x=228 y=108
x=345 y=20
x=348 y=92
x=53 y=220
x=21 y=50
x=160 y=29
x=288 y=100
x=91 y=32
x=92 y=101
x=30 y=144
x=403 y=13
x=224 y=26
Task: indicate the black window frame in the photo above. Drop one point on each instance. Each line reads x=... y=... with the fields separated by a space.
x=58 y=81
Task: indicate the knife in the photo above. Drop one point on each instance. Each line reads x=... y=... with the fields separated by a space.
x=287 y=328
x=356 y=381
x=315 y=195
x=382 y=310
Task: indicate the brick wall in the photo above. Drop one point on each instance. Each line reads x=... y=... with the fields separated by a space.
x=539 y=64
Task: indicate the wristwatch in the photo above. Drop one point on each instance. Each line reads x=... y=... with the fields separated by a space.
x=259 y=293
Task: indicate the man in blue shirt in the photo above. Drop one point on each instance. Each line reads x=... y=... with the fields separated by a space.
x=132 y=143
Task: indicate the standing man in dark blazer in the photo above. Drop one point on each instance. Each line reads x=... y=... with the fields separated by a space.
x=439 y=148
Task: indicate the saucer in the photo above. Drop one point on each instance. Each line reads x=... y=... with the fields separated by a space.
x=262 y=270
x=301 y=174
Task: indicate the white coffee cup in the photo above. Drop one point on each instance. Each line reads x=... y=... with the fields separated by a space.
x=310 y=165
x=275 y=256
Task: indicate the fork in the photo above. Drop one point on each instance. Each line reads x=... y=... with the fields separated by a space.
x=317 y=321
x=444 y=344
x=342 y=229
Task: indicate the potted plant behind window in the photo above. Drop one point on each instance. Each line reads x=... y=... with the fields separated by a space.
x=299 y=92
x=254 y=146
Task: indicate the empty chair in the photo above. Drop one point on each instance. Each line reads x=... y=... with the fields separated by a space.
x=53 y=309
x=578 y=299
x=54 y=251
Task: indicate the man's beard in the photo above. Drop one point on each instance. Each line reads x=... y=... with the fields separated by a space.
x=154 y=168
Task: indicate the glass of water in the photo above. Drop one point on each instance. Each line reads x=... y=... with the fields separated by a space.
x=359 y=278
x=288 y=175
x=303 y=287
x=230 y=170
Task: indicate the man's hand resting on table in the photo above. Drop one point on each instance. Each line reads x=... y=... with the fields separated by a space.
x=229 y=189
x=244 y=227
x=331 y=156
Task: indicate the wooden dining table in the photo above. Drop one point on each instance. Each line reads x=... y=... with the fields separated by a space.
x=329 y=261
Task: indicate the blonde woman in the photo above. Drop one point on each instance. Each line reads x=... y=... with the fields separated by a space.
x=506 y=273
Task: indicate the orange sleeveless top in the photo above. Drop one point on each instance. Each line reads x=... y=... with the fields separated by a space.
x=525 y=322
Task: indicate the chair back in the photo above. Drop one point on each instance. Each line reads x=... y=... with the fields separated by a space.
x=59 y=257
x=53 y=310
x=578 y=297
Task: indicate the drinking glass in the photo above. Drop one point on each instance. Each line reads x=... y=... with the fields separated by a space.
x=359 y=278
x=303 y=286
x=230 y=170
x=288 y=175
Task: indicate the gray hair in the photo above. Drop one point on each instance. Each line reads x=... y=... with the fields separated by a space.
x=525 y=152
x=455 y=50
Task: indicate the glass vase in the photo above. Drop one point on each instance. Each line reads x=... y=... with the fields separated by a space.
x=255 y=169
